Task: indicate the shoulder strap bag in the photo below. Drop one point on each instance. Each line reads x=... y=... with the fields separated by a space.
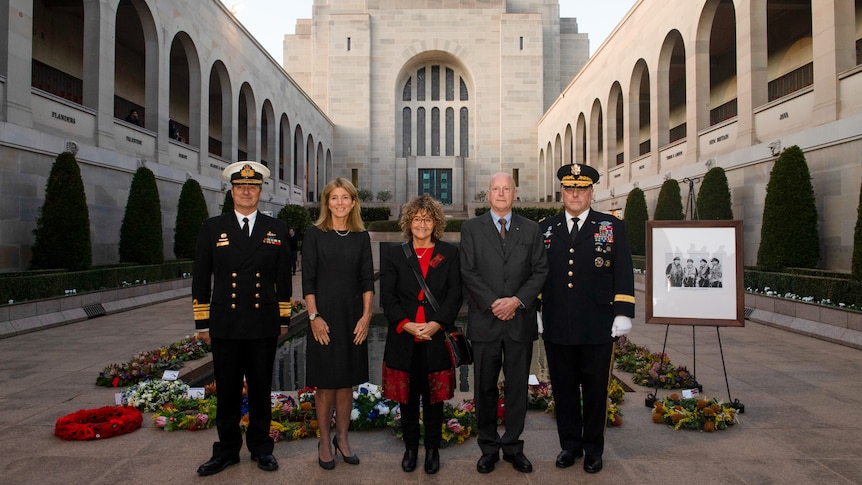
x=459 y=347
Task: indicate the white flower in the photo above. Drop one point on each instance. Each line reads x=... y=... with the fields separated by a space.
x=354 y=414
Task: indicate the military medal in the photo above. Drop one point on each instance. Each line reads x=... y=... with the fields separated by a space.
x=599 y=262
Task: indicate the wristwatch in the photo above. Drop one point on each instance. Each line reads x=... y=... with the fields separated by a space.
x=313 y=316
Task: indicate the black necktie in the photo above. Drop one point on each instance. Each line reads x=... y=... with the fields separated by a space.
x=574 y=227
x=502 y=228
x=245 y=227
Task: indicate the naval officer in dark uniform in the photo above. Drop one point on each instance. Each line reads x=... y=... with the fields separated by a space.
x=242 y=313
x=588 y=301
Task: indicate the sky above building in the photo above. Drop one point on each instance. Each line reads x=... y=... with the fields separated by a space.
x=268 y=20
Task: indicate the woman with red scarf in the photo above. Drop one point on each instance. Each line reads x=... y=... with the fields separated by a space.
x=417 y=366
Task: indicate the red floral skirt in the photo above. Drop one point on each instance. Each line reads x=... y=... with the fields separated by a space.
x=396 y=384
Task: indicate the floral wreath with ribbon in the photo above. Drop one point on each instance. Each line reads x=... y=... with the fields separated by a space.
x=99 y=423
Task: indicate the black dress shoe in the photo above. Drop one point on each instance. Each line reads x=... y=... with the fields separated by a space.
x=352 y=459
x=432 y=461
x=326 y=465
x=408 y=463
x=216 y=464
x=519 y=462
x=567 y=458
x=593 y=464
x=265 y=462
x=486 y=462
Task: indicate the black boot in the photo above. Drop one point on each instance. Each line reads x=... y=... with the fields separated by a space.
x=408 y=463
x=432 y=461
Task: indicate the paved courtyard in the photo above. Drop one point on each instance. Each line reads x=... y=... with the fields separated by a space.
x=800 y=394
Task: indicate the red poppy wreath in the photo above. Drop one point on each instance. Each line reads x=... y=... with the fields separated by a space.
x=99 y=423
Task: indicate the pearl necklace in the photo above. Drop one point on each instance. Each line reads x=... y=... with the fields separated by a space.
x=340 y=234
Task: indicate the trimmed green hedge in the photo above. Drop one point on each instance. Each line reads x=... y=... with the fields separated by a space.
x=836 y=287
x=384 y=226
x=532 y=213
x=368 y=214
x=452 y=225
x=38 y=285
x=371 y=214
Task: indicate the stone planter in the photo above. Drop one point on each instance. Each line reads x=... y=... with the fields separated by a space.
x=29 y=316
x=826 y=322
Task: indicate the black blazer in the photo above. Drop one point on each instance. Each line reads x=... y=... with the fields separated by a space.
x=398 y=294
x=590 y=282
x=242 y=286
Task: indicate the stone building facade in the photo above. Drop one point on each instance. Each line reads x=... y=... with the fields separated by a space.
x=72 y=71
x=675 y=91
x=434 y=96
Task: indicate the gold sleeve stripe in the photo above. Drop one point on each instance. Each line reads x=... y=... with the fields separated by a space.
x=624 y=299
x=202 y=311
x=284 y=308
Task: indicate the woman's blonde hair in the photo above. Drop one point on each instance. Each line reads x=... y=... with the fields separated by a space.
x=430 y=206
x=354 y=219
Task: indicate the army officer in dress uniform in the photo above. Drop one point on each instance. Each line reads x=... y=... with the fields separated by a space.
x=588 y=300
x=242 y=313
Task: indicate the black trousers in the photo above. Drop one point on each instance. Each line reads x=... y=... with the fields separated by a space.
x=514 y=359
x=580 y=372
x=252 y=360
x=432 y=413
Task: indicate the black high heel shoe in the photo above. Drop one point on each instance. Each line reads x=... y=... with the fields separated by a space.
x=353 y=460
x=326 y=465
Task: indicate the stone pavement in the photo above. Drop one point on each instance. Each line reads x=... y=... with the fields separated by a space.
x=800 y=395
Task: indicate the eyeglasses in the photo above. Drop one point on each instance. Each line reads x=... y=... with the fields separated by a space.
x=423 y=220
x=577 y=190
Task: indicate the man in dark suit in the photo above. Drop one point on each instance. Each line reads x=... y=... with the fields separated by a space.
x=503 y=267
x=587 y=302
x=242 y=313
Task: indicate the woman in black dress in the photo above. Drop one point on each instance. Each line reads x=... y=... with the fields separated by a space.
x=338 y=284
x=416 y=362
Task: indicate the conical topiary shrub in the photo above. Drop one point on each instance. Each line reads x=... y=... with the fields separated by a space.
x=789 y=235
x=191 y=213
x=297 y=217
x=636 y=216
x=141 y=230
x=227 y=207
x=63 y=226
x=669 y=204
x=713 y=200
x=856 y=265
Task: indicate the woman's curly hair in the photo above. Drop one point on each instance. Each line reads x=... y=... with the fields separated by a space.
x=432 y=207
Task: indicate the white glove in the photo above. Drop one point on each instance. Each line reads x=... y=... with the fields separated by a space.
x=621 y=326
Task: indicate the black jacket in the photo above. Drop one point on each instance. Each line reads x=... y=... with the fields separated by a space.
x=242 y=286
x=399 y=290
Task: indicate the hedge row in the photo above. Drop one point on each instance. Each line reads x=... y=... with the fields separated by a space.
x=38 y=285
x=452 y=225
x=369 y=214
x=532 y=213
x=837 y=288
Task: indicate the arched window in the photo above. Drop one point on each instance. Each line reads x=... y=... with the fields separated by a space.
x=421 y=135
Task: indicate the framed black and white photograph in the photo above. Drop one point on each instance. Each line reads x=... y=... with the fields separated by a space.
x=694 y=273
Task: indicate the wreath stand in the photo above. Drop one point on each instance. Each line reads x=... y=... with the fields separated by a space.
x=651 y=398
x=691 y=211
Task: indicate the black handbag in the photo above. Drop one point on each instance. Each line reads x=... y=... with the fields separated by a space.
x=459 y=347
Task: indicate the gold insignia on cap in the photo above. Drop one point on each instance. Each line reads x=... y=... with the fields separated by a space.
x=576 y=169
x=247 y=171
